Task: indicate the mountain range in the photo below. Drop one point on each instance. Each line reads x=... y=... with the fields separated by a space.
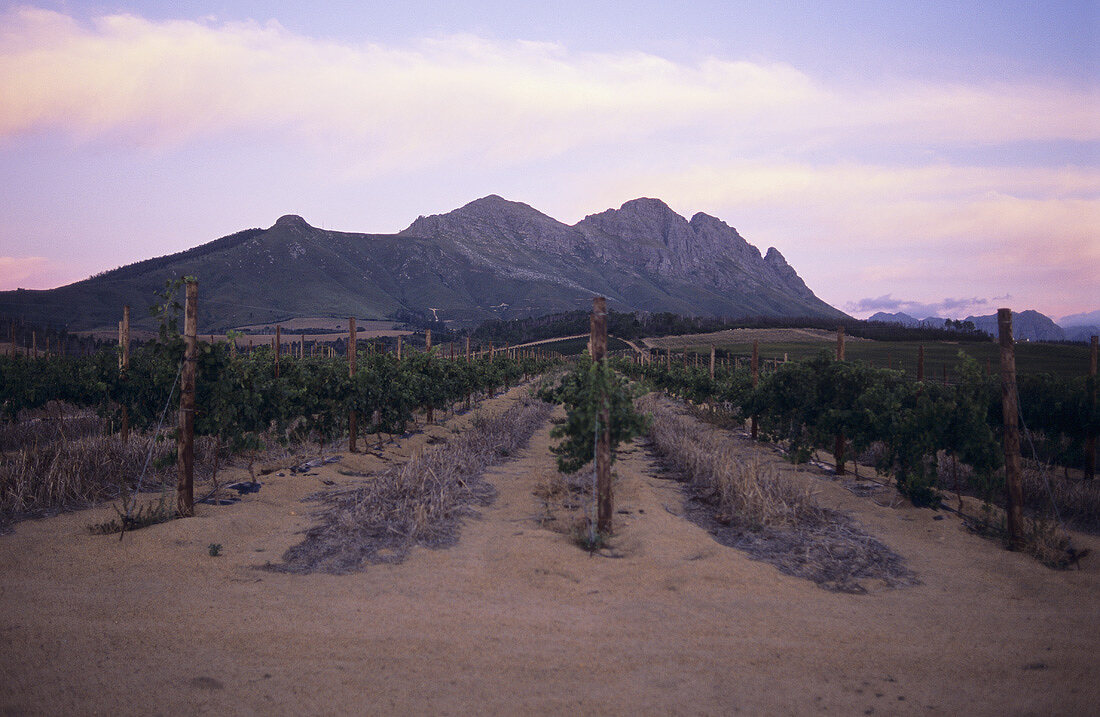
x=491 y=258
x=1027 y=325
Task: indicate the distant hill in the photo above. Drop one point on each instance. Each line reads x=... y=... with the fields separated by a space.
x=1088 y=318
x=1026 y=326
x=1079 y=332
x=492 y=258
x=898 y=318
x=930 y=322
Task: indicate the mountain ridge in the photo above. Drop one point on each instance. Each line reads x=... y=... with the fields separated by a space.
x=491 y=258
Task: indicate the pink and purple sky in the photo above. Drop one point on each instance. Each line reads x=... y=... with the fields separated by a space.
x=927 y=157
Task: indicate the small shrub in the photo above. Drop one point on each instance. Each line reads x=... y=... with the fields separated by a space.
x=129 y=519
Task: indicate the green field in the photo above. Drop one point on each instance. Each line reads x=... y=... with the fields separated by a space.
x=1061 y=359
x=572 y=347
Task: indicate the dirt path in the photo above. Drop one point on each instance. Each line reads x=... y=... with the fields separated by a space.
x=515 y=619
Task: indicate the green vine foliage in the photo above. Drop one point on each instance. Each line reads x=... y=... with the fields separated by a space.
x=238 y=397
x=583 y=392
x=806 y=404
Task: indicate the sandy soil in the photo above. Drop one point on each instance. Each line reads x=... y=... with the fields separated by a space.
x=515 y=619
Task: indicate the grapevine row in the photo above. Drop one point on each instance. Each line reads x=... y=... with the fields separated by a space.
x=809 y=403
x=239 y=396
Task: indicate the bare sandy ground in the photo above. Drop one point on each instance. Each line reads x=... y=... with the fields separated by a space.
x=517 y=620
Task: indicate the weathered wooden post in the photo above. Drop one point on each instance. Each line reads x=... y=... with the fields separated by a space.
x=755 y=367
x=603 y=421
x=427 y=339
x=353 y=342
x=1090 y=440
x=467 y=349
x=124 y=366
x=185 y=447
x=712 y=362
x=838 y=443
x=1014 y=493
x=278 y=347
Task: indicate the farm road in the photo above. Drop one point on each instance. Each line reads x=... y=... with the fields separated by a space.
x=515 y=619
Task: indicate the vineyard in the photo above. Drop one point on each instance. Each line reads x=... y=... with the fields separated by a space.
x=713 y=501
x=244 y=404
x=806 y=404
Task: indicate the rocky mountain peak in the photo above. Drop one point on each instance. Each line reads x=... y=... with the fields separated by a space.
x=291 y=221
x=496 y=225
x=774 y=260
x=644 y=222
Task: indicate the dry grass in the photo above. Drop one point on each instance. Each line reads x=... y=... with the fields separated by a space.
x=717 y=472
x=1078 y=501
x=745 y=503
x=420 y=502
x=51 y=471
x=1045 y=487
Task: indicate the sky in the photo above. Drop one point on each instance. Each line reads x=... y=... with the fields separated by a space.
x=938 y=158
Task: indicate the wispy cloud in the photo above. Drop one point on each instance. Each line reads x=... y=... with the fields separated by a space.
x=946 y=308
x=138 y=81
x=812 y=165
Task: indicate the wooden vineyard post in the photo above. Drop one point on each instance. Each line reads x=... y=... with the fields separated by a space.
x=755 y=367
x=920 y=363
x=838 y=444
x=712 y=363
x=398 y=348
x=301 y=346
x=1090 y=439
x=124 y=366
x=278 y=347
x=352 y=346
x=467 y=351
x=1014 y=493
x=603 y=420
x=668 y=359
x=185 y=447
x=427 y=340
